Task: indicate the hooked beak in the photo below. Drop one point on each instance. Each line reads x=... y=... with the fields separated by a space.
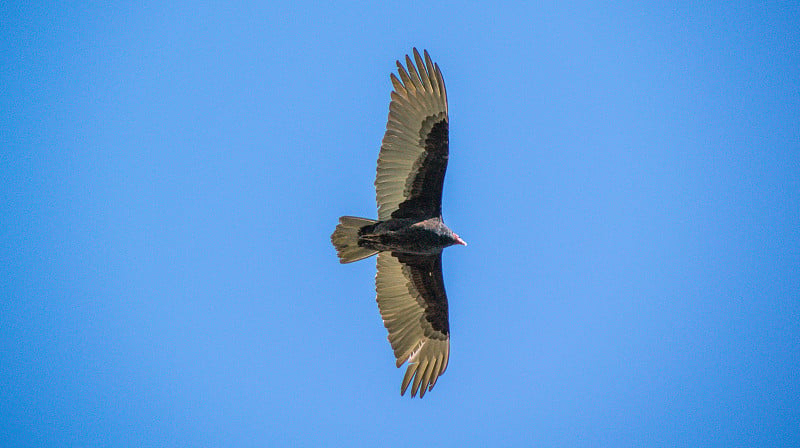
x=459 y=240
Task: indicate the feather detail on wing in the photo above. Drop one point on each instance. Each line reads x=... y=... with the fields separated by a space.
x=413 y=305
x=414 y=151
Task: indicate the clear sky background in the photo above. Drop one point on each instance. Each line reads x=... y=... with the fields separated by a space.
x=627 y=176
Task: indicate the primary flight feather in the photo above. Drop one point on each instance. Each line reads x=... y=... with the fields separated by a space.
x=409 y=234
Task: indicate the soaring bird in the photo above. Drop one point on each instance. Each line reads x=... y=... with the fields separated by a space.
x=409 y=234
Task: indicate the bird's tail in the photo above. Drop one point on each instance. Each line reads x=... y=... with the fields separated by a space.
x=345 y=239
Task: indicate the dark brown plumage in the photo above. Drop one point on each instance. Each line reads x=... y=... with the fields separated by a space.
x=409 y=235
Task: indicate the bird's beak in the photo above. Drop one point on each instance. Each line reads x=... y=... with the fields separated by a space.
x=459 y=240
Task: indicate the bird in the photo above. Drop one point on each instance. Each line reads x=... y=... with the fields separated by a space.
x=409 y=234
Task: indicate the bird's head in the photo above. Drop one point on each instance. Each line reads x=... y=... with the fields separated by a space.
x=457 y=240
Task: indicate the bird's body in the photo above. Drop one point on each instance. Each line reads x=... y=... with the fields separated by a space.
x=409 y=235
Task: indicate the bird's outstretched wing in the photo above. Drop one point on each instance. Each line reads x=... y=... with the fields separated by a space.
x=413 y=157
x=413 y=305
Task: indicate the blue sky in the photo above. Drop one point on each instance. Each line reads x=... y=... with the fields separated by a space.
x=627 y=177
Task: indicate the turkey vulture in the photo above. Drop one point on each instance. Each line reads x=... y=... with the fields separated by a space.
x=409 y=234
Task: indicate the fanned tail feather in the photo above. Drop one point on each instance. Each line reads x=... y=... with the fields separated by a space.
x=345 y=239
